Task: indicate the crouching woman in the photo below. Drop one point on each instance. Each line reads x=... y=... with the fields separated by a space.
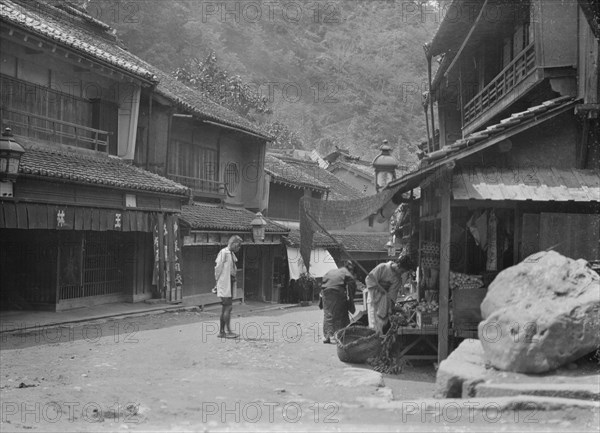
x=337 y=292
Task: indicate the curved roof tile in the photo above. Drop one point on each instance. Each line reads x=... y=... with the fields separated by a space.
x=205 y=216
x=39 y=160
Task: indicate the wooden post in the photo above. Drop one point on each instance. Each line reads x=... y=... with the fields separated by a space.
x=444 y=322
x=58 y=259
x=149 y=134
x=429 y=59
x=517 y=235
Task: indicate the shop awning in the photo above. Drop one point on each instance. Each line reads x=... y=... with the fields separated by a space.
x=15 y=215
x=528 y=183
x=320 y=262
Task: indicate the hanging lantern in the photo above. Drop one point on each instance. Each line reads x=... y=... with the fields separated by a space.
x=258 y=227
x=10 y=157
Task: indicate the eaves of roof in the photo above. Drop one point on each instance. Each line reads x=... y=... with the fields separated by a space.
x=458 y=19
x=362 y=241
x=338 y=189
x=60 y=27
x=93 y=169
x=71 y=30
x=206 y=216
x=194 y=102
x=477 y=141
x=291 y=175
x=355 y=168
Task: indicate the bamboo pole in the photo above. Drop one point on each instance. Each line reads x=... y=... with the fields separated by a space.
x=341 y=247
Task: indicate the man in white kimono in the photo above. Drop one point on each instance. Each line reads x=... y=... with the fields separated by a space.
x=225 y=273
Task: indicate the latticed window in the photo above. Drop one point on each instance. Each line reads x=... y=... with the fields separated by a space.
x=94 y=264
x=232 y=178
x=193 y=161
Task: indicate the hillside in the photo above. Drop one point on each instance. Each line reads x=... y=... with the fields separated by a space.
x=346 y=73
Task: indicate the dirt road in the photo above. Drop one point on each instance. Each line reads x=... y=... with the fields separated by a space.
x=171 y=372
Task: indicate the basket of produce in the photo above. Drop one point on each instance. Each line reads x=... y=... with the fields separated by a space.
x=356 y=344
x=427 y=314
x=460 y=281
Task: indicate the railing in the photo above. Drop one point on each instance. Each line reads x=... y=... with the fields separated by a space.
x=513 y=74
x=199 y=186
x=36 y=126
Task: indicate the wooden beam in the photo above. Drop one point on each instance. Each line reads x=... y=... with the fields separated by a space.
x=517 y=235
x=444 y=283
x=31 y=51
x=467 y=39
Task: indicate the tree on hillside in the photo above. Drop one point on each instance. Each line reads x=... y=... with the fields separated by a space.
x=226 y=89
x=231 y=91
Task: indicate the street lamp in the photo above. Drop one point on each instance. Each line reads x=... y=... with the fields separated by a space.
x=10 y=157
x=258 y=227
x=385 y=167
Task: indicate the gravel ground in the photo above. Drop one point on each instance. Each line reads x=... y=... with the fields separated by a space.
x=170 y=372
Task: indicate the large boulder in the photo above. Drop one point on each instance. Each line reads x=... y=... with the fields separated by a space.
x=541 y=314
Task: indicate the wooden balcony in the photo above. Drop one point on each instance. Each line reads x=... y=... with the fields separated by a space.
x=200 y=187
x=54 y=130
x=512 y=78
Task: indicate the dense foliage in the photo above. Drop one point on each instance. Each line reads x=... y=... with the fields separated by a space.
x=346 y=73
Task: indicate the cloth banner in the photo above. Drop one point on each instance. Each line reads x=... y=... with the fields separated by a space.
x=336 y=215
x=321 y=262
x=167 y=272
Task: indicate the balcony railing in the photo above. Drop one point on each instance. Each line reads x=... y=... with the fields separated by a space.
x=199 y=186
x=58 y=131
x=513 y=74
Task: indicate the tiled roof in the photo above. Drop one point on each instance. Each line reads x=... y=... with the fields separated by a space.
x=319 y=240
x=84 y=34
x=351 y=241
x=366 y=171
x=367 y=241
x=479 y=140
x=338 y=189
x=196 y=103
x=63 y=28
x=40 y=160
x=501 y=127
x=283 y=172
x=205 y=216
x=534 y=183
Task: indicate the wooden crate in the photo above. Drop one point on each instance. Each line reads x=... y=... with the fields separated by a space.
x=466 y=306
x=425 y=320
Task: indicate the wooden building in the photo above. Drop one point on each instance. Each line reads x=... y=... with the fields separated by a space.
x=206 y=228
x=220 y=156
x=516 y=169
x=153 y=144
x=80 y=225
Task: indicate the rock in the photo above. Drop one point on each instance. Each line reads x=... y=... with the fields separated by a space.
x=461 y=371
x=541 y=314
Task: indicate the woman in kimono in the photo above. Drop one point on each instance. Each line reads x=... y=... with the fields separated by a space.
x=338 y=286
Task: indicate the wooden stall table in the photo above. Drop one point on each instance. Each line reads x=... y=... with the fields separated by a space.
x=419 y=337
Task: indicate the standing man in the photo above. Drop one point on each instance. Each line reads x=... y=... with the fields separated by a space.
x=383 y=284
x=225 y=273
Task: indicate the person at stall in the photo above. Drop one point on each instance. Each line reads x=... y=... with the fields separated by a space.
x=384 y=283
x=338 y=287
